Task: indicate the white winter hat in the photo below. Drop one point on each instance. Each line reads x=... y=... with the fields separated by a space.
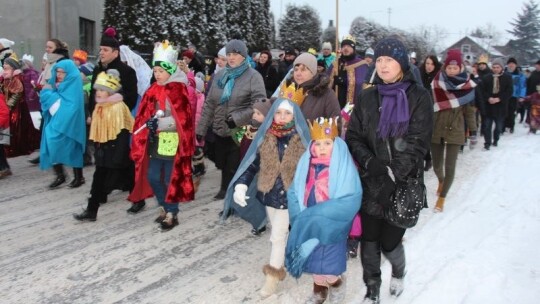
x=413 y=55
x=222 y=52
x=28 y=57
x=6 y=42
x=286 y=105
x=327 y=46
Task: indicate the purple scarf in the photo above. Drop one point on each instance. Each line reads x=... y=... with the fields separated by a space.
x=394 y=118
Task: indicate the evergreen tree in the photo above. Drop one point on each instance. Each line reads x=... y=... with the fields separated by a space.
x=272 y=33
x=114 y=15
x=216 y=33
x=367 y=33
x=261 y=25
x=300 y=27
x=527 y=32
x=329 y=34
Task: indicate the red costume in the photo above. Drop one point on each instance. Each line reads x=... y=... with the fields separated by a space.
x=24 y=137
x=180 y=187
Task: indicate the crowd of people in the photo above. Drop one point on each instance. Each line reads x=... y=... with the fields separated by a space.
x=329 y=150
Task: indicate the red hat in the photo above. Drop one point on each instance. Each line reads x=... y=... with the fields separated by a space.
x=453 y=57
x=188 y=54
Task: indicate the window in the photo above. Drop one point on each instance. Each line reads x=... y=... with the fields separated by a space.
x=87 y=35
x=465 y=48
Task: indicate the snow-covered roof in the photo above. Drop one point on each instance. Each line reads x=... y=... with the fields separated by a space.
x=485 y=44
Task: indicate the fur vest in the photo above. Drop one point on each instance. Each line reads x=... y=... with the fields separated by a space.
x=271 y=167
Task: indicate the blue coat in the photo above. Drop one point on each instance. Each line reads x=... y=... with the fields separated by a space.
x=63 y=138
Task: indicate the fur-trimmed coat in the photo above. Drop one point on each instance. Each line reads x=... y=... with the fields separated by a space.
x=276 y=163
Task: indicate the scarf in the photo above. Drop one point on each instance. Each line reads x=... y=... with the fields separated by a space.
x=281 y=130
x=394 y=119
x=452 y=92
x=227 y=81
x=496 y=84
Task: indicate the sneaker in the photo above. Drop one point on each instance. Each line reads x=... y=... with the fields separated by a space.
x=170 y=221
x=136 y=207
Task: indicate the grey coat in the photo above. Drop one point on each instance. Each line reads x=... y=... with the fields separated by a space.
x=247 y=88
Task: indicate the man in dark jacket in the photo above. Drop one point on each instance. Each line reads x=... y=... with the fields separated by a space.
x=287 y=63
x=114 y=168
x=496 y=91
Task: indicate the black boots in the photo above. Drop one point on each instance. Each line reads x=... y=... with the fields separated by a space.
x=396 y=257
x=60 y=176
x=136 y=207
x=169 y=221
x=86 y=216
x=370 y=254
x=78 y=179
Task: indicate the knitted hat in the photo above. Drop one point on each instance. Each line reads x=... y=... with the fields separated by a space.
x=13 y=62
x=222 y=52
x=189 y=54
x=348 y=40
x=321 y=63
x=286 y=105
x=109 y=38
x=453 y=57
x=394 y=48
x=109 y=81
x=370 y=53
x=290 y=51
x=263 y=105
x=498 y=61
x=327 y=46
x=80 y=55
x=308 y=60
x=87 y=69
x=6 y=43
x=512 y=60
x=238 y=47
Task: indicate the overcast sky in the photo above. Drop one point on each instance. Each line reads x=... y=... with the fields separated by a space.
x=458 y=17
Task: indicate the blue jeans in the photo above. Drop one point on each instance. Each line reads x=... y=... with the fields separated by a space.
x=499 y=124
x=158 y=168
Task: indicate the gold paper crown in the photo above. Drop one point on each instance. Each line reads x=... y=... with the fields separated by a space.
x=483 y=59
x=107 y=82
x=291 y=93
x=163 y=51
x=312 y=51
x=323 y=128
x=349 y=37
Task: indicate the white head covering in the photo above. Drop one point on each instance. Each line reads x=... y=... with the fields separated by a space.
x=286 y=105
x=142 y=69
x=28 y=57
x=222 y=52
x=6 y=42
x=327 y=46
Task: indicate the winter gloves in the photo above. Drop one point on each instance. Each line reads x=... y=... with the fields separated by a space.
x=230 y=122
x=387 y=190
x=152 y=125
x=239 y=195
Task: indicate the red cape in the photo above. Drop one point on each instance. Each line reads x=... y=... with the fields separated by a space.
x=180 y=187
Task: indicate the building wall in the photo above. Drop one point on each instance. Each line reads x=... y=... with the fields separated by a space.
x=26 y=23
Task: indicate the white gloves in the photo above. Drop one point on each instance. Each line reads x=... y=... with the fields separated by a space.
x=239 y=195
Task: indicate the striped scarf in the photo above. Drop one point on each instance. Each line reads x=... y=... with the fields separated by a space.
x=452 y=92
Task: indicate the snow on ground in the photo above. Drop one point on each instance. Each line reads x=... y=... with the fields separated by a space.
x=482 y=249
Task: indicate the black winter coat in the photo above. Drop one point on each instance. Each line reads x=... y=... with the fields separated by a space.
x=404 y=155
x=114 y=154
x=506 y=89
x=128 y=80
x=270 y=77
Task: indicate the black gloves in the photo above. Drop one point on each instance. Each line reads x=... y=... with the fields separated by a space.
x=375 y=167
x=152 y=125
x=387 y=190
x=230 y=122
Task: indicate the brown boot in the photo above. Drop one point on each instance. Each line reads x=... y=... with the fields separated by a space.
x=320 y=293
x=439 y=189
x=273 y=276
x=439 y=206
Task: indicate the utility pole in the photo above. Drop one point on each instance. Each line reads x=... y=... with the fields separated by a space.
x=389 y=14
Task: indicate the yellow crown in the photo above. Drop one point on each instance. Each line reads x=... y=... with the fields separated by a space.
x=107 y=82
x=323 y=128
x=312 y=51
x=164 y=51
x=483 y=59
x=291 y=93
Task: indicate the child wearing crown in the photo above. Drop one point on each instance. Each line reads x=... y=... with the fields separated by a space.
x=163 y=144
x=110 y=132
x=323 y=199
x=259 y=186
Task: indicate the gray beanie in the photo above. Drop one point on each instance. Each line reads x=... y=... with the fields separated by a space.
x=308 y=60
x=498 y=61
x=237 y=46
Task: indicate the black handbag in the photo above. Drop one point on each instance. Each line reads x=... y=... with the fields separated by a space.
x=406 y=203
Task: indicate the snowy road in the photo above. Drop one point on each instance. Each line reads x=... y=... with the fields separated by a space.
x=482 y=249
